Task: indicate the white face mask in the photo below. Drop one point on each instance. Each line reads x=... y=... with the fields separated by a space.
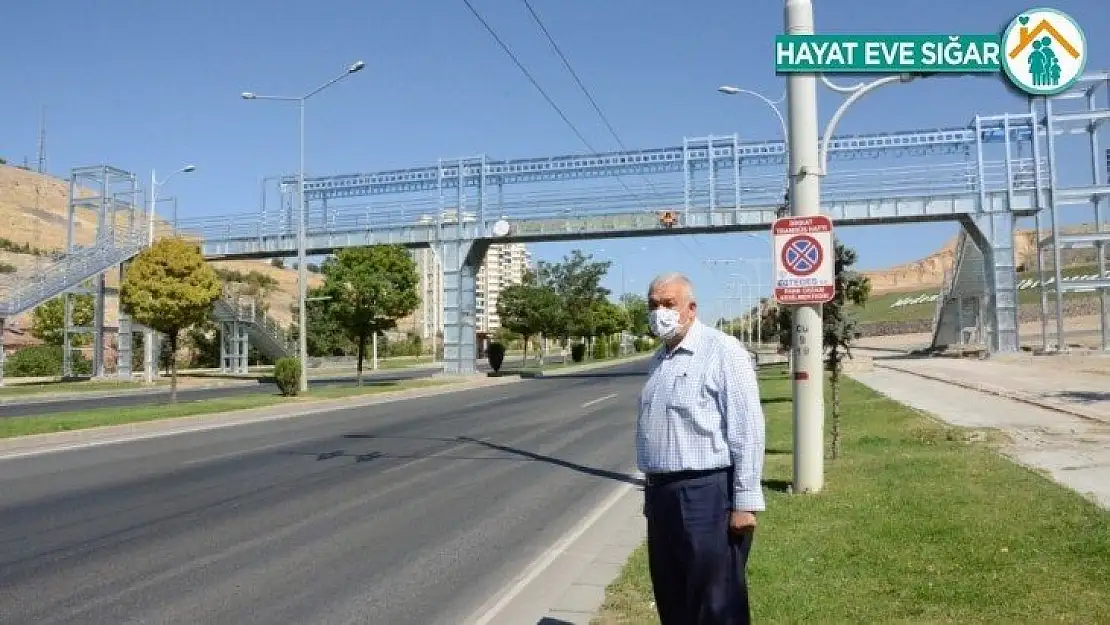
x=663 y=322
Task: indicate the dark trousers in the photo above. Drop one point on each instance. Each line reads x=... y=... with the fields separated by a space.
x=698 y=567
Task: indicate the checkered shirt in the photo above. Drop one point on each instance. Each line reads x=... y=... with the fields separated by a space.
x=700 y=410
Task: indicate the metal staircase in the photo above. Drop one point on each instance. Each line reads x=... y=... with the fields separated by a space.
x=235 y=308
x=68 y=272
x=958 y=319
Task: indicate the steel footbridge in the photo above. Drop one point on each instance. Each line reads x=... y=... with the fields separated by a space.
x=984 y=175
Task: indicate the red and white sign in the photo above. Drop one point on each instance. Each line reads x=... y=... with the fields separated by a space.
x=804 y=260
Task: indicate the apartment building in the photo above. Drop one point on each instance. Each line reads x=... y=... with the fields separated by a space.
x=505 y=264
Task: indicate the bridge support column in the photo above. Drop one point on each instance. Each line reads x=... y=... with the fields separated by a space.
x=234 y=347
x=993 y=234
x=2 y=327
x=99 y=299
x=123 y=348
x=461 y=259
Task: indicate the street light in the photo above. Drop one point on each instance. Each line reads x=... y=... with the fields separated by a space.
x=807 y=166
x=148 y=335
x=154 y=184
x=302 y=272
x=731 y=90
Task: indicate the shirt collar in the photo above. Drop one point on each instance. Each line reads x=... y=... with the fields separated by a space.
x=689 y=343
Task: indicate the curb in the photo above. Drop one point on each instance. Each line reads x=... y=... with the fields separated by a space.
x=997 y=391
x=577 y=368
x=45 y=398
x=39 y=444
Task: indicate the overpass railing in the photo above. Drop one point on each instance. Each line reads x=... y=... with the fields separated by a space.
x=939 y=180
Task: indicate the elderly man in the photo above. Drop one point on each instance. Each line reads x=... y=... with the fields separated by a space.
x=699 y=443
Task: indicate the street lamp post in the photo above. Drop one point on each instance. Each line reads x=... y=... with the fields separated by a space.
x=731 y=90
x=148 y=334
x=807 y=165
x=302 y=272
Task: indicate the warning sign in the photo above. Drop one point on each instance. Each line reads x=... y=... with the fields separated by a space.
x=804 y=260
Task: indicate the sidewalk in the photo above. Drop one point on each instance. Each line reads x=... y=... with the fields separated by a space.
x=1054 y=411
x=1071 y=384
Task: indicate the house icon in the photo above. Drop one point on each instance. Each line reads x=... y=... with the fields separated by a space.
x=1027 y=36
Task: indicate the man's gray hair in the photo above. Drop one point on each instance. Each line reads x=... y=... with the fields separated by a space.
x=673 y=276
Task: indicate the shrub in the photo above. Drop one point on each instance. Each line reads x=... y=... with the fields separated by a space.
x=601 y=348
x=287 y=373
x=496 y=355
x=578 y=352
x=43 y=361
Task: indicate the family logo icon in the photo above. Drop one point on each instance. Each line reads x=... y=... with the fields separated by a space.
x=1045 y=51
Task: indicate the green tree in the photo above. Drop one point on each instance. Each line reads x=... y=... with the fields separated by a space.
x=530 y=309
x=326 y=335
x=608 y=319
x=635 y=306
x=577 y=282
x=48 y=319
x=169 y=287
x=839 y=326
x=370 y=289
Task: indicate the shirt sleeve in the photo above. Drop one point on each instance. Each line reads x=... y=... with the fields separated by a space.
x=745 y=429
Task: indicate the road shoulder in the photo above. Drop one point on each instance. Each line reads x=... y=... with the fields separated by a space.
x=566 y=583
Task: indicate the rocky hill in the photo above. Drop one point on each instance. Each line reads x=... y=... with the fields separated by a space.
x=33 y=211
x=928 y=272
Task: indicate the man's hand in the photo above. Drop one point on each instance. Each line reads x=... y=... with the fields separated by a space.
x=741 y=521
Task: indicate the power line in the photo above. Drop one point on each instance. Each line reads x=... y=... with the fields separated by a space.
x=574 y=74
x=589 y=96
x=529 y=76
x=555 y=106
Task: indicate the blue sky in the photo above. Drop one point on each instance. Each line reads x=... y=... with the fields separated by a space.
x=154 y=84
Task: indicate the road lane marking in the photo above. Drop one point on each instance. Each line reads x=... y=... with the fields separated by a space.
x=599 y=400
x=548 y=557
x=232 y=454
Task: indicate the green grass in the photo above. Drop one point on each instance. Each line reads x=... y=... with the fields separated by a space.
x=919 y=522
x=17 y=389
x=65 y=421
x=878 y=307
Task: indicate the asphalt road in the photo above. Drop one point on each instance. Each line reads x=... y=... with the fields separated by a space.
x=412 y=512
x=131 y=400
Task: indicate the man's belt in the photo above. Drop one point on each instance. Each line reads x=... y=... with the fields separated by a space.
x=659 y=479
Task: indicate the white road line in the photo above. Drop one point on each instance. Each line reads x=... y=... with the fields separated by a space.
x=598 y=400
x=241 y=452
x=546 y=558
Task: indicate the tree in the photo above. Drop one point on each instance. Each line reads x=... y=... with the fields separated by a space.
x=326 y=335
x=530 y=309
x=48 y=319
x=577 y=282
x=169 y=287
x=839 y=326
x=635 y=306
x=370 y=289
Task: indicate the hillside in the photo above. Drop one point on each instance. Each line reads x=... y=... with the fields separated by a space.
x=929 y=272
x=33 y=218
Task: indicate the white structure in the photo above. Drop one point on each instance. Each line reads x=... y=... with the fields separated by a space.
x=505 y=265
x=428 y=321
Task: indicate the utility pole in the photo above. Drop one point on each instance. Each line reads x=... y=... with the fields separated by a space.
x=805 y=200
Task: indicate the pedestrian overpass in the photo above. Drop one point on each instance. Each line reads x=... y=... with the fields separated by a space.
x=984 y=175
